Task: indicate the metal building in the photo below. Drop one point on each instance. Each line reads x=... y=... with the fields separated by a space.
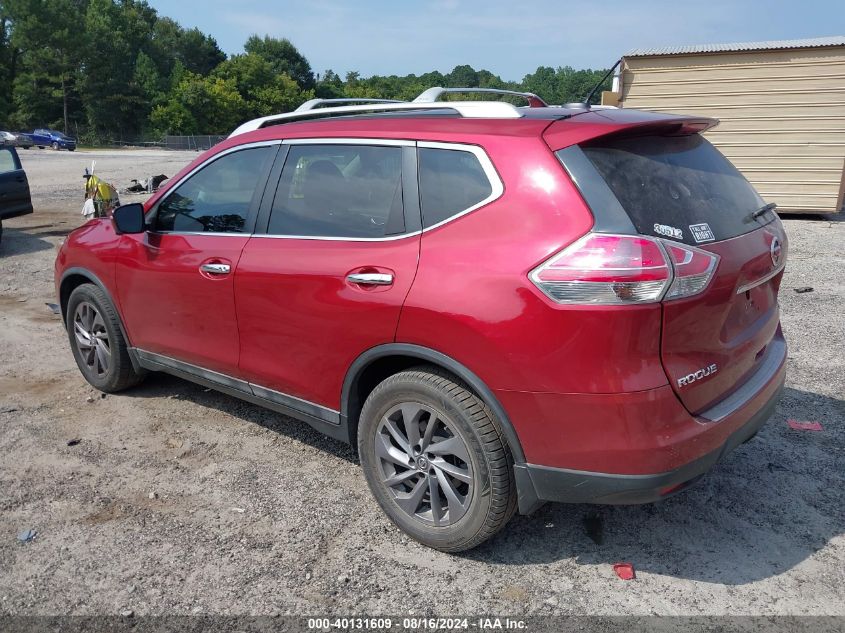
x=781 y=105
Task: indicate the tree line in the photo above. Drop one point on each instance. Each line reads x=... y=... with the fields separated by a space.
x=106 y=70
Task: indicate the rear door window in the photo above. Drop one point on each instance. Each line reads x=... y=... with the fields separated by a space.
x=680 y=187
x=344 y=191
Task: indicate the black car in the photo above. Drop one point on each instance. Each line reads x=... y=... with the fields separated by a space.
x=14 y=187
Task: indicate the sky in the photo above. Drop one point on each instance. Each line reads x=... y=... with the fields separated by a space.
x=508 y=37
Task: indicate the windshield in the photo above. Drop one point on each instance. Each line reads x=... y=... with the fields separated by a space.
x=679 y=187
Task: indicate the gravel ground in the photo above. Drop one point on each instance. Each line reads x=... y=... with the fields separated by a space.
x=177 y=499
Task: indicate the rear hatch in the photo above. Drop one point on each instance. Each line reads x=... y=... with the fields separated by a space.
x=681 y=189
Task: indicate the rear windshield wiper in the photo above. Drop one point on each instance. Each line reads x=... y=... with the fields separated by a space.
x=764 y=210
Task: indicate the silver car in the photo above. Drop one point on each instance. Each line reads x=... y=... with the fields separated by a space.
x=15 y=140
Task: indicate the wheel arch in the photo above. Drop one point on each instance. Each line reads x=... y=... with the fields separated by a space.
x=74 y=277
x=379 y=362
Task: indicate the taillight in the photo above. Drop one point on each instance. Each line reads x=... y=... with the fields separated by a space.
x=605 y=269
x=621 y=269
x=693 y=269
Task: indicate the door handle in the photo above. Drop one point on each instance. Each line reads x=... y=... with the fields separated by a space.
x=370 y=279
x=216 y=269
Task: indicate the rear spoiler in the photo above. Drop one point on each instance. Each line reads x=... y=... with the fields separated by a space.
x=622 y=122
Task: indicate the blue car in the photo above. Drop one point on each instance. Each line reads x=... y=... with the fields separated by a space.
x=51 y=138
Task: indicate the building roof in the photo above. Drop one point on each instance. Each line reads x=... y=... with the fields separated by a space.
x=835 y=40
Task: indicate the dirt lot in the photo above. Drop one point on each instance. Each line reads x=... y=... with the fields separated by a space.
x=179 y=499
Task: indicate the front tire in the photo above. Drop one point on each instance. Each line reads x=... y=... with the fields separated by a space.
x=97 y=342
x=436 y=460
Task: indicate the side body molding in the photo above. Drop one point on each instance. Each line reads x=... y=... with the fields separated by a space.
x=324 y=420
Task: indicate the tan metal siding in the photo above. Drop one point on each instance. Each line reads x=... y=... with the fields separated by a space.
x=782 y=115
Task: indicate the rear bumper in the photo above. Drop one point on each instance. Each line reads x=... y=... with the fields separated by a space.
x=652 y=460
x=539 y=484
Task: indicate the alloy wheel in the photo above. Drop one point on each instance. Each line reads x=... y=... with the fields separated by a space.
x=92 y=339
x=424 y=464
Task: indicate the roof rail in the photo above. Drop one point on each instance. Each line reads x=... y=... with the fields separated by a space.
x=312 y=104
x=432 y=94
x=467 y=109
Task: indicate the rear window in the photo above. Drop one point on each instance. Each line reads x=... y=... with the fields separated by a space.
x=680 y=187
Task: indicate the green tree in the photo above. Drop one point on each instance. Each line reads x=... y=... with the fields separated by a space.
x=462 y=77
x=165 y=44
x=249 y=72
x=124 y=69
x=171 y=44
x=199 y=52
x=8 y=63
x=177 y=74
x=46 y=72
x=115 y=35
x=264 y=90
x=565 y=84
x=283 y=57
x=172 y=117
x=147 y=78
x=283 y=94
x=200 y=105
x=329 y=85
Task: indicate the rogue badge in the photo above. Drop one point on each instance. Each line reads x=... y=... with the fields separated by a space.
x=697 y=375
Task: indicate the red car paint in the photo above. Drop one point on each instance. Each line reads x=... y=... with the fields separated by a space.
x=186 y=314
x=290 y=295
x=587 y=388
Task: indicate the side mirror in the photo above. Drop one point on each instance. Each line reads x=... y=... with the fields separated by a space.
x=129 y=218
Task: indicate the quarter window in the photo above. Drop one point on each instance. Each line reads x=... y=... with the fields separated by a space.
x=451 y=181
x=217 y=198
x=339 y=191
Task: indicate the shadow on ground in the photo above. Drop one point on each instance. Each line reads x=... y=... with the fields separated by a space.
x=159 y=385
x=764 y=509
x=21 y=241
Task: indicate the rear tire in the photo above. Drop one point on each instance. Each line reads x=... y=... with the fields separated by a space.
x=423 y=436
x=97 y=342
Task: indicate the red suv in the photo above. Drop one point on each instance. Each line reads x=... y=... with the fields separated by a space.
x=500 y=306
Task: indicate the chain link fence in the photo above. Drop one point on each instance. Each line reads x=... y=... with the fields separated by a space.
x=198 y=142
